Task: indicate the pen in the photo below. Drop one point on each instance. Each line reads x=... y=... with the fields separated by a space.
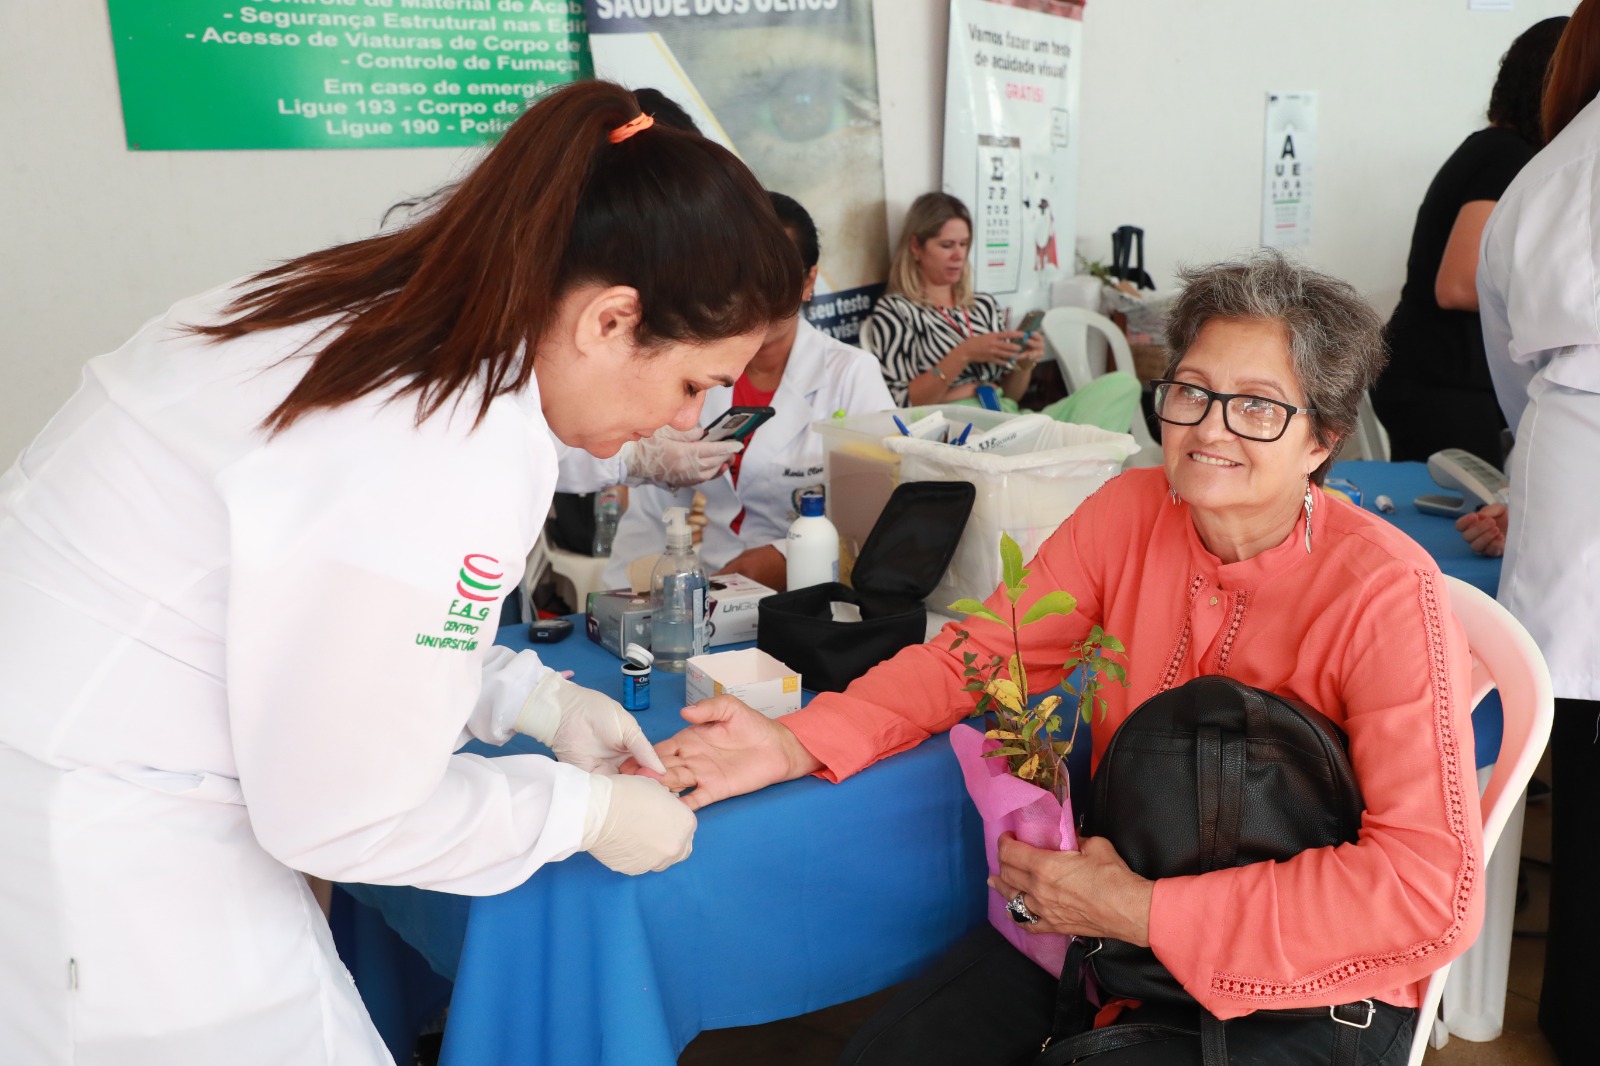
x=963 y=438
x=989 y=397
x=904 y=432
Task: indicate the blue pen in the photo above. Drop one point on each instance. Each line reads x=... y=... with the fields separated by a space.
x=989 y=397
x=963 y=438
x=904 y=432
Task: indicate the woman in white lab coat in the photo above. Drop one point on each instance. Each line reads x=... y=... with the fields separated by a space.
x=1539 y=296
x=804 y=376
x=249 y=584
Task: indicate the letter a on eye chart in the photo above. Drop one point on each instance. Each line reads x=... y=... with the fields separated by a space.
x=1291 y=153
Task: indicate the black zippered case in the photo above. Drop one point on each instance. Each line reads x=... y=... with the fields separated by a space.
x=902 y=561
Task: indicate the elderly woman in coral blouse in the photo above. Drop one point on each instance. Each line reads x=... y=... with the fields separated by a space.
x=1228 y=560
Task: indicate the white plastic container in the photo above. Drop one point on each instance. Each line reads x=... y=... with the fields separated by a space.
x=860 y=471
x=1026 y=489
x=813 y=546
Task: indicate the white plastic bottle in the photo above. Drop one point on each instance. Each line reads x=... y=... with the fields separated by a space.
x=678 y=598
x=813 y=546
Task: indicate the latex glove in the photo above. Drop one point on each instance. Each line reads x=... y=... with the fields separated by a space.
x=634 y=825
x=677 y=458
x=584 y=728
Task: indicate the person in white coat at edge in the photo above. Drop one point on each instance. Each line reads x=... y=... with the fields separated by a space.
x=1539 y=297
x=804 y=375
x=248 y=585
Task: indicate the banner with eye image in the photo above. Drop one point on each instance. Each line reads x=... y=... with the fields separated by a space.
x=791 y=86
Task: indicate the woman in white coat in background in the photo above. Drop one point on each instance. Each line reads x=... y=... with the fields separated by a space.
x=249 y=583
x=805 y=376
x=1539 y=297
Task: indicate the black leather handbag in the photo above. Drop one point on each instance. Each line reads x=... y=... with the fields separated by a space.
x=1205 y=776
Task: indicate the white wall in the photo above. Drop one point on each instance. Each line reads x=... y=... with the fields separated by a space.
x=94 y=239
x=1174 y=109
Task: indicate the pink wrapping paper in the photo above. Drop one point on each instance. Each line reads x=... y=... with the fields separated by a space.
x=1009 y=804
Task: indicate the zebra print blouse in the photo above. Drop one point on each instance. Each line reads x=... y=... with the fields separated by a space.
x=909 y=338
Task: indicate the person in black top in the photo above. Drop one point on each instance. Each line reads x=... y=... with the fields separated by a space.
x=1436 y=391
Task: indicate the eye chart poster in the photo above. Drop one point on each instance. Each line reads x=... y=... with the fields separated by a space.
x=791 y=86
x=1010 y=141
x=1291 y=155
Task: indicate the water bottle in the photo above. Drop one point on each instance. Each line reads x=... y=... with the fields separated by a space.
x=812 y=546
x=678 y=597
x=607 y=512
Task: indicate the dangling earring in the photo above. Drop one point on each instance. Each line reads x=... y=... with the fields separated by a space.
x=1308 y=515
x=1176 y=499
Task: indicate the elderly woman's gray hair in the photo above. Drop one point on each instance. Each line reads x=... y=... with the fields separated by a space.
x=1335 y=338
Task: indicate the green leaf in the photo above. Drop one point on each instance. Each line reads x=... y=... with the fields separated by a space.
x=1010 y=749
x=971 y=608
x=1050 y=603
x=1011 y=566
x=968 y=658
x=1053 y=724
x=1113 y=643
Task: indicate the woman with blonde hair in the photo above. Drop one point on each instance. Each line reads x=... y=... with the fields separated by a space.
x=936 y=338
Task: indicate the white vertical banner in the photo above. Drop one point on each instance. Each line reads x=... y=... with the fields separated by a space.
x=1010 y=141
x=1290 y=166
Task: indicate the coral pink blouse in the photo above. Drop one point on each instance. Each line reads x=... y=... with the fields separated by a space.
x=1360 y=629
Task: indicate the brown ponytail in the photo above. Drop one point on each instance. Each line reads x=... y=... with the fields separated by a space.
x=461 y=291
x=1574 y=70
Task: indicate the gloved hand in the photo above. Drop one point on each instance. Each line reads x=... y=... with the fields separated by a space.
x=634 y=825
x=584 y=728
x=677 y=458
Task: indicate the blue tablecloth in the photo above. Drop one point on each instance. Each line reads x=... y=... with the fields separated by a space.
x=796 y=898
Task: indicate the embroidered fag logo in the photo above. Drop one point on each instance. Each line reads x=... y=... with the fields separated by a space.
x=479 y=579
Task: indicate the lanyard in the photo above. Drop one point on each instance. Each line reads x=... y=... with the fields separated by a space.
x=965 y=317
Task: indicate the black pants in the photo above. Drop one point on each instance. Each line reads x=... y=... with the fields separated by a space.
x=1571 y=980
x=986 y=1004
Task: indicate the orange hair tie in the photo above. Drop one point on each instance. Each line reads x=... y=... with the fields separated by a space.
x=629 y=128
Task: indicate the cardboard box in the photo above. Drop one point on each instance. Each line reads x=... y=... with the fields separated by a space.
x=733 y=608
x=618 y=618
x=751 y=675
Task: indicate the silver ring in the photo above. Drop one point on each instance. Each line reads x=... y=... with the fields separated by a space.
x=1020 y=912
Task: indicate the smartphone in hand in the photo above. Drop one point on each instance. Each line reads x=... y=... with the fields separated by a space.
x=737 y=423
x=1029 y=326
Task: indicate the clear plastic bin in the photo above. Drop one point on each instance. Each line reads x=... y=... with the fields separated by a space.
x=1027 y=493
x=860 y=471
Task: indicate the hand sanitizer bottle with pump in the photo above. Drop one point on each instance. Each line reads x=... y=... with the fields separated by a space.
x=678 y=597
x=813 y=546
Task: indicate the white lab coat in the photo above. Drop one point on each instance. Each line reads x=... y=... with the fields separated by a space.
x=1539 y=300
x=225 y=658
x=782 y=459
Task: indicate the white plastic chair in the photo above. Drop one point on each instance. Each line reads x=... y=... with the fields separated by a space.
x=1504 y=656
x=1066 y=331
x=583 y=574
x=1370 y=440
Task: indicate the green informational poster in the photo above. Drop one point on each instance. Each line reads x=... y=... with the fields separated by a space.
x=338 y=73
